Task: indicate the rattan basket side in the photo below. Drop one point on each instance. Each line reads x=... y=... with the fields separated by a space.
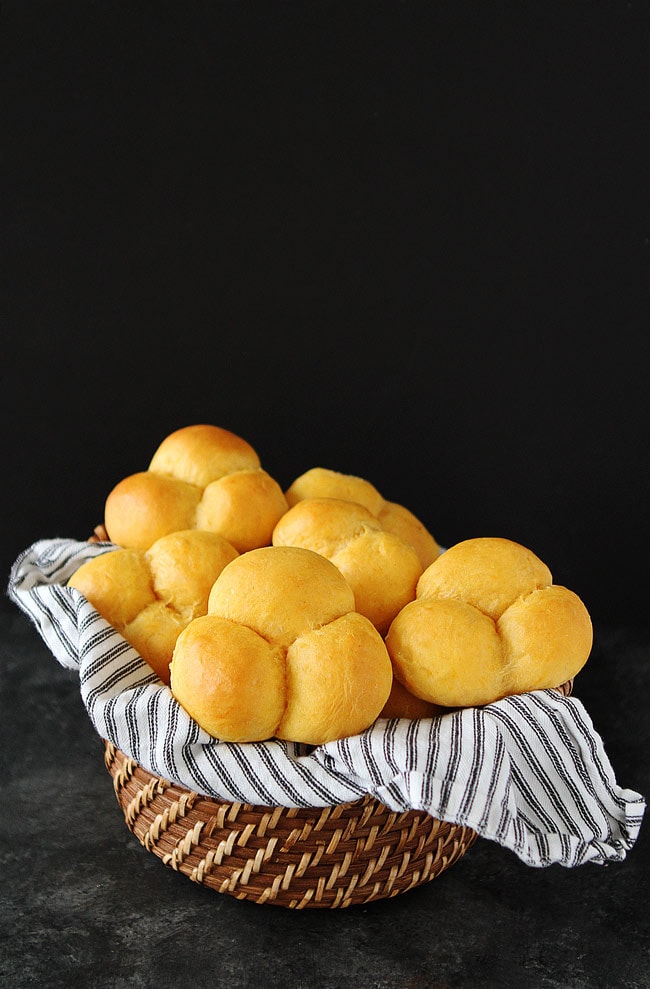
x=299 y=858
x=329 y=857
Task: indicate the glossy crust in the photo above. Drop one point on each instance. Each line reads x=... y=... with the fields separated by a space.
x=489 y=573
x=229 y=679
x=201 y=477
x=201 y=454
x=488 y=622
x=337 y=681
x=146 y=506
x=151 y=596
x=299 y=609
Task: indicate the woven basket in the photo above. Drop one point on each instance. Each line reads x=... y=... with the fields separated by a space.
x=292 y=857
x=329 y=857
x=338 y=856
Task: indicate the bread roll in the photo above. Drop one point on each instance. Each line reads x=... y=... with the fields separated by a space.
x=381 y=568
x=488 y=622
x=201 y=454
x=145 y=507
x=280 y=593
x=229 y=679
x=489 y=573
x=200 y=477
x=244 y=507
x=338 y=680
x=151 y=596
x=290 y=656
x=319 y=482
x=547 y=637
x=447 y=652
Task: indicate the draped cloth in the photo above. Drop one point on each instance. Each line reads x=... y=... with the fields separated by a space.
x=529 y=772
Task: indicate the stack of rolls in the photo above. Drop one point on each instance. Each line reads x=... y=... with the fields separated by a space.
x=201 y=477
x=151 y=595
x=306 y=614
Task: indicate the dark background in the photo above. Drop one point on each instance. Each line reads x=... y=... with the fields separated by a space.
x=404 y=240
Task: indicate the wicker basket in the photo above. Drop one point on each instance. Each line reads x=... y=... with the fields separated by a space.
x=315 y=857
x=330 y=857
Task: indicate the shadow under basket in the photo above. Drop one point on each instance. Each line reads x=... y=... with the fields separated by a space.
x=330 y=857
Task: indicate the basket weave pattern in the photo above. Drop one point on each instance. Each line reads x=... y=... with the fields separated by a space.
x=329 y=857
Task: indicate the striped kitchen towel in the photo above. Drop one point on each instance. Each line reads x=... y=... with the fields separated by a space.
x=529 y=772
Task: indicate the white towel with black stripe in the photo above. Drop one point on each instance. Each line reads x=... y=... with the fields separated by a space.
x=529 y=772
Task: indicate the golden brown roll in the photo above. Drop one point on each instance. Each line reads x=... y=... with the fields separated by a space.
x=145 y=506
x=489 y=573
x=281 y=653
x=201 y=477
x=201 y=454
x=320 y=482
x=151 y=596
x=338 y=678
x=244 y=507
x=380 y=567
x=402 y=522
x=488 y=622
x=281 y=592
x=229 y=679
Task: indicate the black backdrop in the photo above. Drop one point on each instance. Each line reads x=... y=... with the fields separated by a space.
x=403 y=240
